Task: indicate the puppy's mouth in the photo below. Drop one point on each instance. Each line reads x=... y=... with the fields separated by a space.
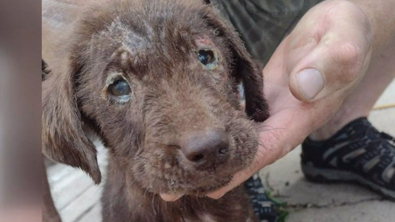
x=207 y=184
x=195 y=182
x=179 y=172
x=197 y=177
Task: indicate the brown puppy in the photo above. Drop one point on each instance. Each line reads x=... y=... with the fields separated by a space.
x=157 y=81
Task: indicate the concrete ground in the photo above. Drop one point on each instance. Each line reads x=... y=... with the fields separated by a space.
x=314 y=202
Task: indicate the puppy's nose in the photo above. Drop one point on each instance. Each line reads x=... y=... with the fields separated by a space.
x=205 y=148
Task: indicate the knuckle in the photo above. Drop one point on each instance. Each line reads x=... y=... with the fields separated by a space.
x=349 y=53
x=349 y=61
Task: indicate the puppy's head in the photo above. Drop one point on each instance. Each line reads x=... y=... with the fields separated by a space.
x=157 y=80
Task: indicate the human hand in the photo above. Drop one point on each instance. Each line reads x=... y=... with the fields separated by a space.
x=307 y=78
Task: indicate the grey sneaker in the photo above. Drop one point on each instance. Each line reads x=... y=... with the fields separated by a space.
x=263 y=206
x=356 y=153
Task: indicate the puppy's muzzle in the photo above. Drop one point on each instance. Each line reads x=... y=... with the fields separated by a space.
x=205 y=149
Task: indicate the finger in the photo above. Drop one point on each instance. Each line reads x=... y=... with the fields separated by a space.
x=272 y=147
x=263 y=157
x=169 y=197
x=237 y=179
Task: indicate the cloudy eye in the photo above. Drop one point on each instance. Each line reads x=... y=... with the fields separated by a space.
x=119 y=90
x=207 y=58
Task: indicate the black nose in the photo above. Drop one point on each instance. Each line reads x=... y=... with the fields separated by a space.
x=205 y=148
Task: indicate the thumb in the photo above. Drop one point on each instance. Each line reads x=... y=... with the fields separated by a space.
x=329 y=50
x=326 y=69
x=307 y=84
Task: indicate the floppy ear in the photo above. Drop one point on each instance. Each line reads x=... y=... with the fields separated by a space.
x=44 y=70
x=63 y=136
x=244 y=68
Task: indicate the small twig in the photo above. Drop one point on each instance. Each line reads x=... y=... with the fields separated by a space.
x=386 y=106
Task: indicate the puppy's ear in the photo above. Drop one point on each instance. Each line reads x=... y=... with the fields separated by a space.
x=244 y=68
x=63 y=136
x=44 y=70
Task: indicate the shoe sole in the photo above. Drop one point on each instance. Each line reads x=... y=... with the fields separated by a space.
x=325 y=175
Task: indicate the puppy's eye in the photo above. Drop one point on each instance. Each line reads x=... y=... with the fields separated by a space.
x=119 y=88
x=207 y=58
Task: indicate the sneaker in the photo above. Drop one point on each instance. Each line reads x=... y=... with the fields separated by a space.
x=356 y=153
x=263 y=206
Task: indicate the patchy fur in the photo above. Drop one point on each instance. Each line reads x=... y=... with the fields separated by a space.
x=153 y=46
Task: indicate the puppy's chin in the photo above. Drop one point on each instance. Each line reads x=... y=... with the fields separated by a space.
x=203 y=190
x=199 y=187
